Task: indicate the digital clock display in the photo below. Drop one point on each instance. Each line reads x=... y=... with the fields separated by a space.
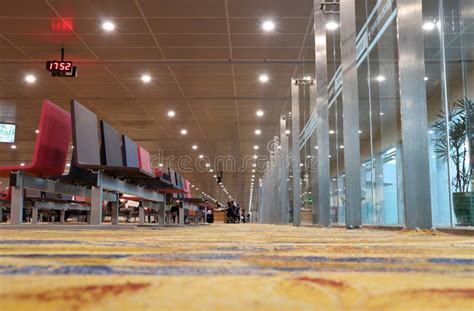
x=59 y=66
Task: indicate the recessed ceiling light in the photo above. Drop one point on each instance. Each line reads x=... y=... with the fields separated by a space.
x=146 y=78
x=194 y=147
x=259 y=113
x=171 y=113
x=254 y=165
x=341 y=146
x=255 y=156
x=184 y=131
x=382 y=113
x=13 y=146
x=332 y=25
x=380 y=78
x=258 y=132
x=22 y=164
x=263 y=78
x=428 y=26
x=201 y=156
x=68 y=164
x=360 y=132
x=255 y=147
x=160 y=165
x=207 y=164
x=316 y=147
x=268 y=25
x=287 y=132
x=426 y=78
x=30 y=78
x=211 y=170
x=331 y=132
x=37 y=131
x=108 y=26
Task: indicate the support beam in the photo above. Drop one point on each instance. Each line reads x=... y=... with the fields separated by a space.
x=96 y=203
x=414 y=116
x=181 y=216
x=350 y=103
x=115 y=212
x=34 y=215
x=321 y=182
x=295 y=150
x=283 y=194
x=141 y=213
x=18 y=193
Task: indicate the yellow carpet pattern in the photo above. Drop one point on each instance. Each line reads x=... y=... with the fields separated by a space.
x=235 y=267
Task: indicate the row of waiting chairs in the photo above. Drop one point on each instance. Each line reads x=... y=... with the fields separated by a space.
x=97 y=146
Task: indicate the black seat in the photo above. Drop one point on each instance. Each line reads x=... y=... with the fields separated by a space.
x=88 y=150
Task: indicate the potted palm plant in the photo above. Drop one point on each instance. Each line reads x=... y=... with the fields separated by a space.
x=458 y=120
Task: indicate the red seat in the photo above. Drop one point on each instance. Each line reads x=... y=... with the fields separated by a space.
x=144 y=160
x=51 y=146
x=158 y=173
x=7 y=196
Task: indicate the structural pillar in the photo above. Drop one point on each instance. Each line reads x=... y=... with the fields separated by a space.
x=295 y=150
x=350 y=106
x=283 y=163
x=96 y=206
x=411 y=66
x=115 y=211
x=16 y=208
x=322 y=128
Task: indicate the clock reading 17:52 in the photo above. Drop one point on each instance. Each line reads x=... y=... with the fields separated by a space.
x=58 y=66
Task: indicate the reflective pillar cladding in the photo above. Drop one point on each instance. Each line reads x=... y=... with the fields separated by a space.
x=350 y=104
x=295 y=150
x=272 y=193
x=313 y=153
x=321 y=182
x=276 y=184
x=283 y=163
x=414 y=114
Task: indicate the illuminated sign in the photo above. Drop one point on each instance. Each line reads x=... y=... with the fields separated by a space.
x=61 y=68
x=54 y=65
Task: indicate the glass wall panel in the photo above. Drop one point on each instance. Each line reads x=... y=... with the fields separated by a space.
x=449 y=45
x=380 y=124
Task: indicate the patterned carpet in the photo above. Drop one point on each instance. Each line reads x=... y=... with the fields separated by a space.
x=235 y=267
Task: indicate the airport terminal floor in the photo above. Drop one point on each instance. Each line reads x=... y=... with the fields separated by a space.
x=235 y=267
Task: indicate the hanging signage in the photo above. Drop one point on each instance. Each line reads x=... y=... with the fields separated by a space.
x=61 y=68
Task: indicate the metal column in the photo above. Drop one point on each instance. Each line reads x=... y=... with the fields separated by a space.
x=295 y=150
x=413 y=108
x=96 y=205
x=115 y=211
x=274 y=171
x=313 y=153
x=141 y=213
x=322 y=129
x=16 y=208
x=350 y=104
x=283 y=159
